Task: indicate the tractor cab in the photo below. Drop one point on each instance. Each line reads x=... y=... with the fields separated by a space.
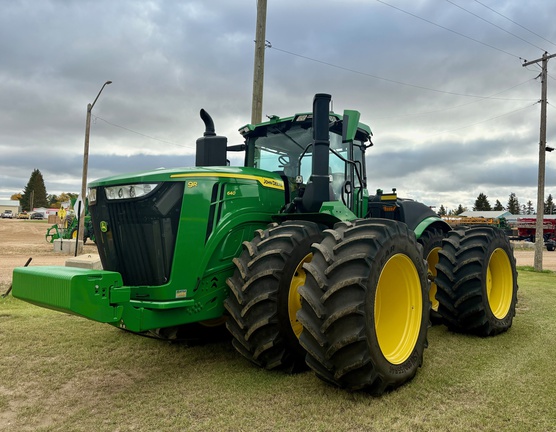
x=286 y=145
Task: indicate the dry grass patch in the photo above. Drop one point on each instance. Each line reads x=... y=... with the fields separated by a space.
x=61 y=372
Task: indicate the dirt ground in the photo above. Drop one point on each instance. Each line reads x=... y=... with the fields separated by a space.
x=21 y=239
x=24 y=239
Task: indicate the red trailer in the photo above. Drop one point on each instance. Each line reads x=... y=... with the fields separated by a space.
x=526 y=228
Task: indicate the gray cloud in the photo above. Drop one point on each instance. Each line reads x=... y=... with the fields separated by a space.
x=168 y=59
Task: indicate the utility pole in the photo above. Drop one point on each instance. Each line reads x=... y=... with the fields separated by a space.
x=258 y=74
x=539 y=231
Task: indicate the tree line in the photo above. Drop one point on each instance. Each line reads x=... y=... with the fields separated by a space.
x=34 y=195
x=482 y=204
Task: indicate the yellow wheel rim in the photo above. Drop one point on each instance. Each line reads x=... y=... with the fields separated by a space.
x=398 y=308
x=432 y=260
x=499 y=283
x=74 y=235
x=294 y=299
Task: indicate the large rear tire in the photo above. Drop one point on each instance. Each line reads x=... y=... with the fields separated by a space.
x=431 y=240
x=264 y=301
x=477 y=281
x=365 y=306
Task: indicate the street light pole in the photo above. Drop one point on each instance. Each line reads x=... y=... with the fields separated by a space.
x=81 y=225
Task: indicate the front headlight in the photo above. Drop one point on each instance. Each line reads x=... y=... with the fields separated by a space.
x=92 y=196
x=129 y=191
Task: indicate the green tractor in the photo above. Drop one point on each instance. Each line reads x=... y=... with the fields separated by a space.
x=289 y=252
x=67 y=229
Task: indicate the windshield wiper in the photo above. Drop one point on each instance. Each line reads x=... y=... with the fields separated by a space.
x=289 y=137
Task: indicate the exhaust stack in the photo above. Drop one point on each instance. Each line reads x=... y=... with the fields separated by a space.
x=318 y=187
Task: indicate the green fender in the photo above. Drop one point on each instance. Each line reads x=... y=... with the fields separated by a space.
x=431 y=221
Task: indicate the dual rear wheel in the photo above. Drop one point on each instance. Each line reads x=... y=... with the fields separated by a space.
x=477 y=281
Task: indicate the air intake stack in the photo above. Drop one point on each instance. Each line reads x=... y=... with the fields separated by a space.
x=211 y=148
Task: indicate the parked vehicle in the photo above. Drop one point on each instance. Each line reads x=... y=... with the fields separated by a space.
x=7 y=214
x=37 y=215
x=527 y=227
x=67 y=229
x=290 y=251
x=23 y=215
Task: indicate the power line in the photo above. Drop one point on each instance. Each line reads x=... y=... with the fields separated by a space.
x=142 y=134
x=492 y=24
x=448 y=29
x=269 y=45
x=512 y=21
x=456 y=106
x=492 y=118
x=474 y=124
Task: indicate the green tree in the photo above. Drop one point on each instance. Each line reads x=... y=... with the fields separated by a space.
x=51 y=200
x=529 y=209
x=481 y=203
x=34 y=194
x=513 y=204
x=460 y=210
x=549 y=205
x=498 y=206
x=55 y=201
x=441 y=211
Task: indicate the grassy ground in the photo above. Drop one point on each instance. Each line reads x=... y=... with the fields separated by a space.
x=64 y=373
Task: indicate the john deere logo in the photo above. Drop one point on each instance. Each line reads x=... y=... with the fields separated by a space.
x=103 y=226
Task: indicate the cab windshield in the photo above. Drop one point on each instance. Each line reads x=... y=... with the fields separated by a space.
x=288 y=151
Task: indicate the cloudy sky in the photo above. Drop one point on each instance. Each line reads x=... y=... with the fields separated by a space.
x=441 y=83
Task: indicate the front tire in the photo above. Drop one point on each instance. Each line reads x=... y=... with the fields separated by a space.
x=477 y=281
x=365 y=307
x=264 y=301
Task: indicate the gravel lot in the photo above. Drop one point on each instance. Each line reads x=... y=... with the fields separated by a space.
x=21 y=239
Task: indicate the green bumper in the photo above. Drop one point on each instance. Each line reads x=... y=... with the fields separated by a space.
x=93 y=294
x=99 y=295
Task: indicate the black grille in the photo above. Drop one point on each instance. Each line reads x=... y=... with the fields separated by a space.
x=141 y=234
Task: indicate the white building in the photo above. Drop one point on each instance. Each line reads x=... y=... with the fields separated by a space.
x=7 y=204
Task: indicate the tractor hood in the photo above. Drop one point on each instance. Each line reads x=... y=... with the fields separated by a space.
x=266 y=178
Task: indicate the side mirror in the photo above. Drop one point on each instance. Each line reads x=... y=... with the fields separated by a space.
x=349 y=125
